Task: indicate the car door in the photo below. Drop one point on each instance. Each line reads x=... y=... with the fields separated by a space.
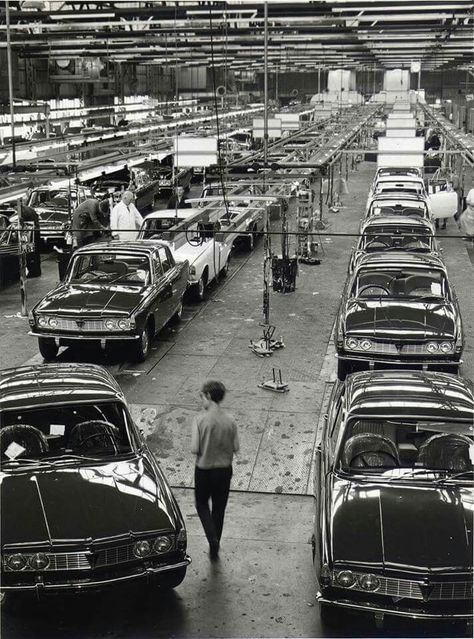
x=162 y=293
x=174 y=284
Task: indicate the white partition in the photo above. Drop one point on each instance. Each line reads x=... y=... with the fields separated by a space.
x=404 y=115
x=400 y=133
x=274 y=127
x=289 y=121
x=400 y=151
x=401 y=123
x=195 y=151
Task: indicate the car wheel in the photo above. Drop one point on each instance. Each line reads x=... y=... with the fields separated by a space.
x=342 y=369
x=174 y=578
x=251 y=239
x=198 y=289
x=47 y=347
x=143 y=343
x=225 y=269
x=178 y=315
x=13 y=602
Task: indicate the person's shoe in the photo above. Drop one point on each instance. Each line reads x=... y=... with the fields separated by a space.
x=214 y=549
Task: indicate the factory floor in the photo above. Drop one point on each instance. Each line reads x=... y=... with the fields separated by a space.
x=263 y=585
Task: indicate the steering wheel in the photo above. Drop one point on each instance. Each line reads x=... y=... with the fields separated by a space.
x=363 y=459
x=378 y=241
x=374 y=287
x=109 y=435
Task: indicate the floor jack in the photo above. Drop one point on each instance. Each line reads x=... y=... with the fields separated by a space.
x=276 y=384
x=265 y=346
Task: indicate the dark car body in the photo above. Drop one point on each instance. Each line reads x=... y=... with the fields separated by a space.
x=75 y=514
x=398 y=309
x=393 y=535
x=54 y=206
x=110 y=301
x=144 y=187
x=394 y=233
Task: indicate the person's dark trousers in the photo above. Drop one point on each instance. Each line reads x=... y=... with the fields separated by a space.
x=212 y=484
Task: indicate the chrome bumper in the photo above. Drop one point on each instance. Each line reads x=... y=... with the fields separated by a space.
x=83 y=336
x=398 y=612
x=399 y=362
x=98 y=583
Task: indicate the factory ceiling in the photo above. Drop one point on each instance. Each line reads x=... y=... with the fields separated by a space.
x=302 y=36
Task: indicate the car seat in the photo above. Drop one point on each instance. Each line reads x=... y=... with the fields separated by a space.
x=116 y=268
x=30 y=437
x=372 y=427
x=370 y=451
x=446 y=451
x=93 y=435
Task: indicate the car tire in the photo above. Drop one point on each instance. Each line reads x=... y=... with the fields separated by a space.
x=343 y=369
x=48 y=348
x=141 y=348
x=251 y=240
x=174 y=578
x=176 y=318
x=13 y=603
x=225 y=269
x=198 y=289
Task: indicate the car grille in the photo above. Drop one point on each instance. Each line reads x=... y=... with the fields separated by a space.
x=389 y=348
x=408 y=589
x=59 y=561
x=117 y=555
x=93 y=326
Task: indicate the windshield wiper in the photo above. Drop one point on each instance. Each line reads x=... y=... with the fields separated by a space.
x=73 y=457
x=413 y=473
x=455 y=476
x=21 y=460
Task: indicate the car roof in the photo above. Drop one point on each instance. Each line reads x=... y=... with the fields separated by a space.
x=44 y=384
x=164 y=213
x=401 y=258
x=400 y=178
x=397 y=220
x=123 y=246
x=397 y=197
x=411 y=393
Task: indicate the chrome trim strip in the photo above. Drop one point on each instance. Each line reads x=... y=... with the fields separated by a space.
x=84 y=336
x=391 y=611
x=147 y=572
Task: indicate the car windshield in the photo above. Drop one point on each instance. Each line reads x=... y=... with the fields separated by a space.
x=52 y=198
x=62 y=431
x=402 y=238
x=408 y=283
x=110 y=268
x=155 y=227
x=399 y=209
x=407 y=448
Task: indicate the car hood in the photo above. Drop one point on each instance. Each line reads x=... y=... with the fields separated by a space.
x=83 y=503
x=392 y=319
x=400 y=525
x=92 y=299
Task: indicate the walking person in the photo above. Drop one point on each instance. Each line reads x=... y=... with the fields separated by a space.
x=466 y=221
x=125 y=220
x=214 y=441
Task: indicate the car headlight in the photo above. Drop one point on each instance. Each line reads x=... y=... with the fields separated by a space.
x=345 y=578
x=42 y=321
x=110 y=324
x=40 y=561
x=16 y=561
x=352 y=343
x=142 y=549
x=126 y=324
x=162 y=544
x=447 y=347
x=369 y=582
x=53 y=322
x=432 y=347
x=365 y=344
x=182 y=540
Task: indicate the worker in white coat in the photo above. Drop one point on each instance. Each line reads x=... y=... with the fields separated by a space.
x=125 y=220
